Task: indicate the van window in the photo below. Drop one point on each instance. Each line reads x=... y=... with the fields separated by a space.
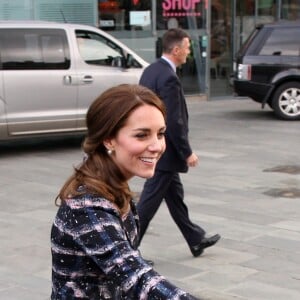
x=97 y=50
x=34 y=49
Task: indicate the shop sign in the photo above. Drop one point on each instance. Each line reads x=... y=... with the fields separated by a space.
x=180 y=8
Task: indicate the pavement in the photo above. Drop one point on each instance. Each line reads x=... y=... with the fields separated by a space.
x=246 y=188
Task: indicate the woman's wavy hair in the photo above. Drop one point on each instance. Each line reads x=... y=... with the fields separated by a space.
x=98 y=173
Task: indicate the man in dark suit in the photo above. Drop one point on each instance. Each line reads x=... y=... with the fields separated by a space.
x=161 y=77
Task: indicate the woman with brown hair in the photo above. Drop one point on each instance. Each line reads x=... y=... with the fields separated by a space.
x=94 y=236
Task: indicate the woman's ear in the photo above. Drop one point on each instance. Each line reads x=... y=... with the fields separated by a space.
x=108 y=144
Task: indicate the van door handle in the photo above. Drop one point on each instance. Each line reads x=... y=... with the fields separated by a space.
x=67 y=80
x=88 y=79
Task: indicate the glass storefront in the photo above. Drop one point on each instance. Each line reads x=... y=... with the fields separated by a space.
x=220 y=47
x=217 y=27
x=231 y=23
x=141 y=23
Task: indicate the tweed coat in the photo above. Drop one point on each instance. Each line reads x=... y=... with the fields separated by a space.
x=95 y=255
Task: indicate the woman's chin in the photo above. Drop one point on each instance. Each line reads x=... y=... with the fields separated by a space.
x=146 y=175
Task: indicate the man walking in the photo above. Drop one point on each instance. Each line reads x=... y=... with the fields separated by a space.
x=161 y=77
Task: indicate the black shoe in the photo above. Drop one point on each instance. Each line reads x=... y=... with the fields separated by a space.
x=205 y=243
x=149 y=262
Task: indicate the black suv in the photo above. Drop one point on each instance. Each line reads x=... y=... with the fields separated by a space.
x=267 y=68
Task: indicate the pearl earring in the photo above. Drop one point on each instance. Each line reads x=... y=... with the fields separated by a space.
x=109 y=151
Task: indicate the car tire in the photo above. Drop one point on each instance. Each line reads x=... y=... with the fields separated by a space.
x=286 y=101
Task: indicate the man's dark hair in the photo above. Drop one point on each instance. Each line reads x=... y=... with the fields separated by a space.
x=173 y=37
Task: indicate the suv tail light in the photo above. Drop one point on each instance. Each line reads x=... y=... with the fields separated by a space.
x=244 y=72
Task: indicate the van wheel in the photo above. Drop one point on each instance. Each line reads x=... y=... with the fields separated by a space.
x=286 y=101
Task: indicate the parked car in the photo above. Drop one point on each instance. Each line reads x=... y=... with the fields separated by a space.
x=51 y=72
x=267 y=68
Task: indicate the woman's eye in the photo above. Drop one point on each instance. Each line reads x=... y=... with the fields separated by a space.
x=141 y=135
x=161 y=134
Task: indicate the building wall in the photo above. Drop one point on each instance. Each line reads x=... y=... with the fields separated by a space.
x=72 y=11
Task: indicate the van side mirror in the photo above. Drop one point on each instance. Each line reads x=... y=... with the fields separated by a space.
x=117 y=61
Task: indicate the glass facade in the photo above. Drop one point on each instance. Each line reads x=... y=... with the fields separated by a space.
x=141 y=23
x=231 y=23
x=217 y=27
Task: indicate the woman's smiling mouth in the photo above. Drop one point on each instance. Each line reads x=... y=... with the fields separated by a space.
x=150 y=160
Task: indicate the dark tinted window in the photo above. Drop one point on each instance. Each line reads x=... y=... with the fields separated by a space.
x=282 y=41
x=248 y=41
x=32 y=49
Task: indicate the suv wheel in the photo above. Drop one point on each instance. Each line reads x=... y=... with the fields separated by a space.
x=286 y=101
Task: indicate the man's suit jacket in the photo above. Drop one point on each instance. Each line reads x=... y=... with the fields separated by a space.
x=161 y=78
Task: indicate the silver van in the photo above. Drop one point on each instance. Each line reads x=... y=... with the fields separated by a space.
x=51 y=72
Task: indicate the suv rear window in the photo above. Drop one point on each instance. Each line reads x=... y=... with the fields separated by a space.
x=282 y=41
x=32 y=49
x=248 y=41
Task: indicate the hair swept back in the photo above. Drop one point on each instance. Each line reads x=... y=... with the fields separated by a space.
x=173 y=37
x=98 y=173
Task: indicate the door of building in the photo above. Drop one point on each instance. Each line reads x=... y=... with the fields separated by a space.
x=221 y=48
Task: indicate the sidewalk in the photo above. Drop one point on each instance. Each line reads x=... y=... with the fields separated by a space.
x=246 y=188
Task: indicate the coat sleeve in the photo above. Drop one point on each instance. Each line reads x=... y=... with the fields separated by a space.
x=177 y=124
x=104 y=240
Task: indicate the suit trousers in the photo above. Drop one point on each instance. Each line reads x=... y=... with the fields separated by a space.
x=167 y=186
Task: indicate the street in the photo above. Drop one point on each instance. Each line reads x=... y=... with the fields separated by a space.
x=246 y=188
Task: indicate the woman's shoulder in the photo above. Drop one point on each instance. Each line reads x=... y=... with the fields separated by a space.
x=91 y=201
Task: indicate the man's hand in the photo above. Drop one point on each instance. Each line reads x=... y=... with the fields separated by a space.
x=192 y=160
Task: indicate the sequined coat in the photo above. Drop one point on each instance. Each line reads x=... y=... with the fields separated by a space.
x=95 y=256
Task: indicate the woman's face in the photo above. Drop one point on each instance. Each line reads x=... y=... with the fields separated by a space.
x=140 y=143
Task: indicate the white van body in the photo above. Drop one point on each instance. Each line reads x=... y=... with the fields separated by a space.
x=51 y=72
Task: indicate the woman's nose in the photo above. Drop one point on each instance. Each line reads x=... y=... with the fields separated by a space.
x=157 y=145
